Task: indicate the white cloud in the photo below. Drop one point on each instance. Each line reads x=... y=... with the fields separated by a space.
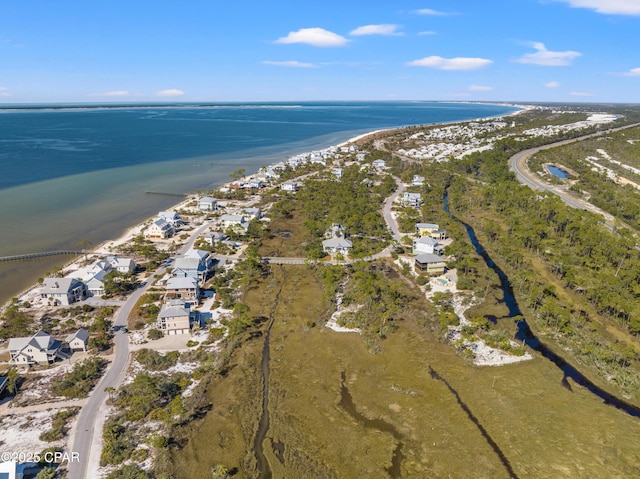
x=614 y=7
x=552 y=84
x=580 y=93
x=381 y=29
x=427 y=33
x=547 y=58
x=458 y=63
x=318 y=37
x=480 y=88
x=634 y=72
x=170 y=92
x=4 y=91
x=290 y=64
x=429 y=11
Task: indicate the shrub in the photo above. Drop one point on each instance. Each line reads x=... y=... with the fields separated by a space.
x=154 y=334
x=81 y=379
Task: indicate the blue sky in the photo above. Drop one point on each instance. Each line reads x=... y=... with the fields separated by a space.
x=281 y=50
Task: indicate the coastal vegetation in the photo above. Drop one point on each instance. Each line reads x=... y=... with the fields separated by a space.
x=273 y=392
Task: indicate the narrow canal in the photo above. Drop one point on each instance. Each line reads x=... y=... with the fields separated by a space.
x=263 y=465
x=524 y=331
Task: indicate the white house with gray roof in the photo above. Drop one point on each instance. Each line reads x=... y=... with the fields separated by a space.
x=40 y=348
x=337 y=245
x=63 y=291
x=78 y=341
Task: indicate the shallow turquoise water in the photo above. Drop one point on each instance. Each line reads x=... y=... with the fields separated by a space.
x=72 y=175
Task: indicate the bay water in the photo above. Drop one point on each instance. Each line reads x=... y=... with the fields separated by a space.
x=76 y=173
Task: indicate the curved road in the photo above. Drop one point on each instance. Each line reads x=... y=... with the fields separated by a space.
x=91 y=418
x=518 y=164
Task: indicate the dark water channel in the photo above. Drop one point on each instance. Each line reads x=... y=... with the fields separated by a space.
x=263 y=425
x=525 y=334
x=346 y=403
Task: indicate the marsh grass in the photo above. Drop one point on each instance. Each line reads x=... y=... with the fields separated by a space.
x=543 y=429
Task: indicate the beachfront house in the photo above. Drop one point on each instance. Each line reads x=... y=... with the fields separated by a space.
x=122 y=265
x=337 y=245
x=291 y=186
x=78 y=341
x=95 y=283
x=184 y=287
x=63 y=291
x=426 y=245
x=170 y=217
x=206 y=203
x=159 y=228
x=431 y=264
x=175 y=317
x=411 y=199
x=40 y=348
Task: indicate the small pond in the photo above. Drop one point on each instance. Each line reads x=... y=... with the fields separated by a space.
x=559 y=172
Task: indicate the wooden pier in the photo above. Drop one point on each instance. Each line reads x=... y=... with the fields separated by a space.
x=20 y=257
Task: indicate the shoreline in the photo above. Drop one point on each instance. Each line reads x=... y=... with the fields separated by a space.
x=127 y=234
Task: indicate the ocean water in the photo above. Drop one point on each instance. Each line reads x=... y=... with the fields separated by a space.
x=80 y=174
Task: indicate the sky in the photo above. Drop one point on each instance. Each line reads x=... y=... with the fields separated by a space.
x=281 y=50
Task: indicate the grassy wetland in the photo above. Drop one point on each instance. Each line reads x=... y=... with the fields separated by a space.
x=396 y=400
x=542 y=427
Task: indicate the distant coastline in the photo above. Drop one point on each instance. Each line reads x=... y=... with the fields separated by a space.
x=114 y=214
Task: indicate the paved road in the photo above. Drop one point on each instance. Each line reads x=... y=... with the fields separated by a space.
x=89 y=423
x=518 y=164
x=386 y=211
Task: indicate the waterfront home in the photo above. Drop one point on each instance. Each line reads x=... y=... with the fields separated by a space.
x=175 y=317
x=122 y=265
x=63 y=291
x=40 y=348
x=170 y=217
x=182 y=288
x=426 y=245
x=337 y=245
x=253 y=183
x=206 y=203
x=430 y=263
x=289 y=186
x=411 y=199
x=159 y=229
x=78 y=341
x=95 y=283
